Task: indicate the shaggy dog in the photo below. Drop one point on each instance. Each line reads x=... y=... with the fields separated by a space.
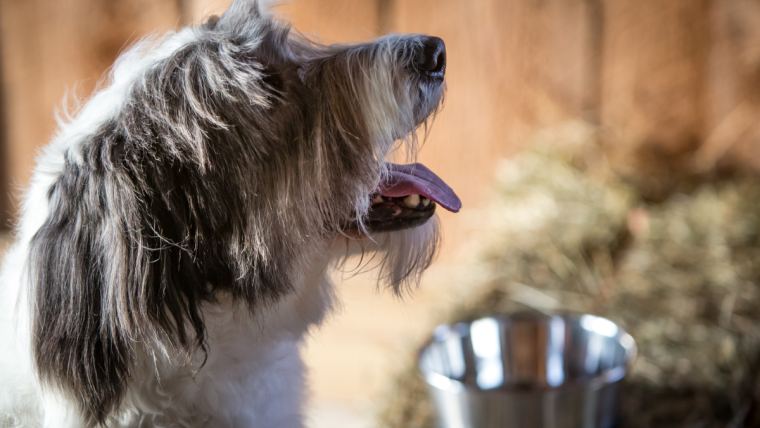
x=173 y=246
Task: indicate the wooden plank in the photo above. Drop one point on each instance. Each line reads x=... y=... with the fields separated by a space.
x=51 y=47
x=5 y=200
x=333 y=21
x=732 y=98
x=653 y=75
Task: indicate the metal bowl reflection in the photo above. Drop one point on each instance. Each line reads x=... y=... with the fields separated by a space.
x=527 y=370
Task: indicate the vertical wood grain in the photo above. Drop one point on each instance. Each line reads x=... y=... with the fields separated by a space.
x=732 y=98
x=655 y=57
x=5 y=200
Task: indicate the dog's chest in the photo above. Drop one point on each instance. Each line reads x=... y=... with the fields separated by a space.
x=253 y=373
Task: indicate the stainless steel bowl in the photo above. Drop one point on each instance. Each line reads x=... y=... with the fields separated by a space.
x=527 y=370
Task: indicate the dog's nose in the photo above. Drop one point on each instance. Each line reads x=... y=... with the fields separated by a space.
x=431 y=58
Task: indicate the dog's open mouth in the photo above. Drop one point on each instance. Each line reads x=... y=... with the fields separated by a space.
x=407 y=197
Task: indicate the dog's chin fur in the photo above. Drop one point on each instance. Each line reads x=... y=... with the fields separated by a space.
x=173 y=245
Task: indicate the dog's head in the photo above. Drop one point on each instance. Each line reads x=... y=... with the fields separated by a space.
x=331 y=115
x=214 y=159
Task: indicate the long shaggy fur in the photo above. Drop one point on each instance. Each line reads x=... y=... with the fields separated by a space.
x=188 y=190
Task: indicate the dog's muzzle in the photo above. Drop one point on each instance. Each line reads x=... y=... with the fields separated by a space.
x=408 y=194
x=407 y=197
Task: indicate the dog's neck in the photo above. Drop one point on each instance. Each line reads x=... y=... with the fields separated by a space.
x=245 y=351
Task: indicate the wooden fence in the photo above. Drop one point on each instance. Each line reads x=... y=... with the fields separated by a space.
x=672 y=77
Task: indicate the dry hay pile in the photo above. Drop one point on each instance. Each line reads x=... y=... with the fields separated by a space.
x=681 y=275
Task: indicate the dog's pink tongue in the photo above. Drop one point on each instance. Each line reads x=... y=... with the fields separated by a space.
x=417 y=179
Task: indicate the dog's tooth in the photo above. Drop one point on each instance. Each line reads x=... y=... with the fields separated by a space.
x=377 y=199
x=425 y=201
x=412 y=201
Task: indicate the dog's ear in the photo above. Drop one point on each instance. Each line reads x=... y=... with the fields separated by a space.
x=106 y=283
x=242 y=13
x=211 y=22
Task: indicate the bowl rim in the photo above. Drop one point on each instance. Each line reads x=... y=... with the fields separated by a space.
x=607 y=377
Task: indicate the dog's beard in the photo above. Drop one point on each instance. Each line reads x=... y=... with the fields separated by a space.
x=401 y=226
x=399 y=258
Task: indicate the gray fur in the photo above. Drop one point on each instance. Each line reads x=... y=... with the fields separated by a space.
x=226 y=158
